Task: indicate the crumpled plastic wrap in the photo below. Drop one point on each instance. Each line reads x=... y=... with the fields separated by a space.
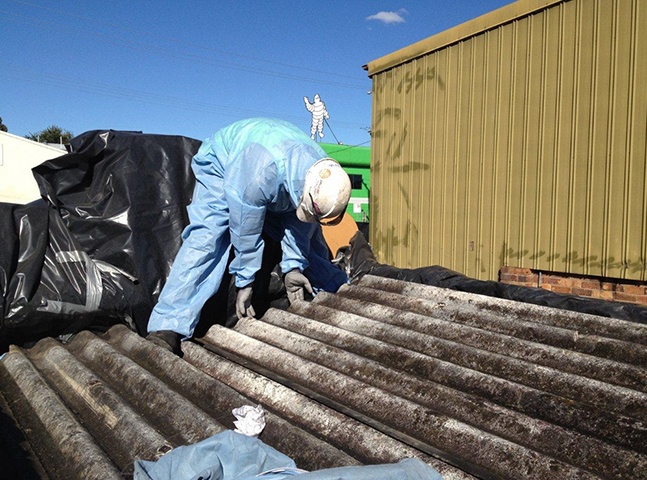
x=250 y=420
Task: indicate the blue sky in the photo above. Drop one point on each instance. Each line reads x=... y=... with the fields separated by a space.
x=190 y=68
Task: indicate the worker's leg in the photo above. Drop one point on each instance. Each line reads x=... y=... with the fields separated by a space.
x=200 y=263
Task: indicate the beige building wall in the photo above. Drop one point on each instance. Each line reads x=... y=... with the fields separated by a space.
x=18 y=156
x=518 y=138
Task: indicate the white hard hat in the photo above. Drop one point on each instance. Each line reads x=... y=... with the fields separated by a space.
x=326 y=193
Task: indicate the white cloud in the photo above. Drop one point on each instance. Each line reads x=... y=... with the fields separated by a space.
x=389 y=17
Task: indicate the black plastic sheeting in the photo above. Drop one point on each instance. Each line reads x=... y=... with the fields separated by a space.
x=98 y=251
x=359 y=261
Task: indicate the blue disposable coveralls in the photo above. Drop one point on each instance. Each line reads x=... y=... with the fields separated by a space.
x=231 y=456
x=249 y=179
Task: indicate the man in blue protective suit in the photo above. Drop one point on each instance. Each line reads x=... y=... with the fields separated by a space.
x=255 y=176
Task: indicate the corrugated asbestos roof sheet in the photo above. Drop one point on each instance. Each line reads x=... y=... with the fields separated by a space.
x=382 y=370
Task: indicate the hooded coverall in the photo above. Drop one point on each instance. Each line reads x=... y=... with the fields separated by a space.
x=249 y=179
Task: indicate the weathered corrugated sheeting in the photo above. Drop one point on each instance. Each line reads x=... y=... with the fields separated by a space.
x=517 y=138
x=382 y=370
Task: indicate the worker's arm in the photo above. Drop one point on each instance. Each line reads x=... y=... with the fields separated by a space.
x=251 y=183
x=295 y=243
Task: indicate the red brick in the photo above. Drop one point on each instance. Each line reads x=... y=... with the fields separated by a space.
x=583 y=292
x=606 y=295
x=592 y=284
x=624 y=297
x=565 y=281
x=560 y=289
x=515 y=270
x=575 y=282
x=641 y=299
x=632 y=289
x=608 y=286
x=528 y=279
x=522 y=271
x=549 y=279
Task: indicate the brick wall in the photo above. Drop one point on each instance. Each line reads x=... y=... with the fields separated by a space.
x=612 y=289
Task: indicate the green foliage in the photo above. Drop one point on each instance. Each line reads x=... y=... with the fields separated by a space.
x=52 y=134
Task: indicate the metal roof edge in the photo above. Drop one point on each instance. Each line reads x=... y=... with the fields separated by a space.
x=488 y=21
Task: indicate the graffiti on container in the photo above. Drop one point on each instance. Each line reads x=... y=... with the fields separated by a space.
x=397 y=138
x=405 y=196
x=387 y=113
x=382 y=126
x=410 y=81
x=391 y=238
x=409 y=167
x=573 y=258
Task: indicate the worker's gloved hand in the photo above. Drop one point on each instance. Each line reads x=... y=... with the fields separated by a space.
x=295 y=282
x=244 y=303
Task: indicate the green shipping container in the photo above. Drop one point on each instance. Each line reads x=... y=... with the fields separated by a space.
x=356 y=162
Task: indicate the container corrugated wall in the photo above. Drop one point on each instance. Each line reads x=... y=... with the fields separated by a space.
x=516 y=139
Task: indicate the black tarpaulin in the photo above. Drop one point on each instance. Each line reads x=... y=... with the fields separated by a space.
x=360 y=261
x=99 y=250
x=50 y=286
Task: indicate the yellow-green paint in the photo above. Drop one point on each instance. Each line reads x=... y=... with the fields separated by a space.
x=518 y=138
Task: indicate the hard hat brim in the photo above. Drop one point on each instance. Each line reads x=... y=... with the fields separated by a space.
x=304 y=215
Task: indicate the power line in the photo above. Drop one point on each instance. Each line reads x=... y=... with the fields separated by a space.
x=93 y=30
x=163 y=51
x=27 y=75
x=180 y=41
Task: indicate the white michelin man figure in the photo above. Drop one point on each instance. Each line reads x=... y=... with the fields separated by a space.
x=319 y=112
